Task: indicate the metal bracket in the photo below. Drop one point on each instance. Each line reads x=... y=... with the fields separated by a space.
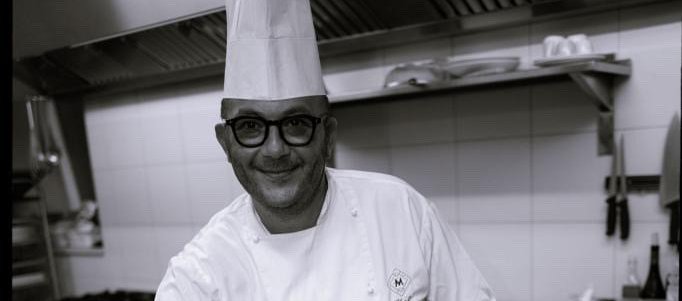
x=598 y=88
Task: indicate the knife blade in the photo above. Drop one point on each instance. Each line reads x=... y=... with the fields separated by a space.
x=611 y=199
x=670 y=178
x=624 y=211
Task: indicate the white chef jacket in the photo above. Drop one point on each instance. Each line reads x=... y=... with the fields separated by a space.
x=376 y=238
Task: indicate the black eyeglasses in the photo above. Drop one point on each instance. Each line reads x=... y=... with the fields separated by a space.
x=252 y=131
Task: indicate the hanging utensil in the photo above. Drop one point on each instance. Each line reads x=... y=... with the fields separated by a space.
x=670 y=179
x=622 y=200
x=611 y=199
x=44 y=151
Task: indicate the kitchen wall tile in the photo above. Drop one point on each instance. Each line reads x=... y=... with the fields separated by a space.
x=448 y=207
x=561 y=107
x=567 y=258
x=650 y=26
x=494 y=180
x=354 y=72
x=502 y=254
x=105 y=193
x=643 y=150
x=203 y=98
x=115 y=241
x=651 y=95
x=169 y=206
x=367 y=159
x=132 y=205
x=508 y=42
x=645 y=207
x=418 y=51
x=638 y=245
x=98 y=144
x=198 y=135
x=162 y=139
x=87 y=267
x=110 y=107
x=170 y=241
x=85 y=286
x=568 y=178
x=429 y=168
x=492 y=113
x=601 y=29
x=363 y=125
x=140 y=254
x=126 y=143
x=422 y=120
x=211 y=189
x=140 y=285
x=64 y=275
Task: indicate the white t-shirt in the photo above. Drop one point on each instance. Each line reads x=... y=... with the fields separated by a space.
x=376 y=239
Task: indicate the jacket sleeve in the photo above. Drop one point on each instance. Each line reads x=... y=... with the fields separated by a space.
x=186 y=280
x=452 y=274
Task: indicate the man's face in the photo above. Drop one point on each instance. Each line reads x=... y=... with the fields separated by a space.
x=275 y=174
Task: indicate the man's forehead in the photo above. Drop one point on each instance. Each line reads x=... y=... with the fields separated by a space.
x=274 y=109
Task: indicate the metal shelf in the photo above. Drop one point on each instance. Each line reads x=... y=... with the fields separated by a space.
x=29 y=263
x=24 y=243
x=29 y=280
x=595 y=78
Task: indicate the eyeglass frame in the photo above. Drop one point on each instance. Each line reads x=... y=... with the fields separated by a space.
x=278 y=124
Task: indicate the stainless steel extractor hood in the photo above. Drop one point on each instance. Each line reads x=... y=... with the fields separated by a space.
x=195 y=47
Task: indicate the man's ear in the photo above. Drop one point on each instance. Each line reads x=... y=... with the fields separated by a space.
x=330 y=131
x=220 y=135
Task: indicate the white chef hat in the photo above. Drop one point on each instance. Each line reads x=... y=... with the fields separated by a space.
x=271 y=50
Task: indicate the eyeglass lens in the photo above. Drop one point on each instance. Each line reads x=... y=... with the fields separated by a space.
x=295 y=130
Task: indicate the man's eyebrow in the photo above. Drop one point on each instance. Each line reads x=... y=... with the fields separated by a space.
x=296 y=110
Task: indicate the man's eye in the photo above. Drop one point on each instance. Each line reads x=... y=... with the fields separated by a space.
x=297 y=122
x=249 y=125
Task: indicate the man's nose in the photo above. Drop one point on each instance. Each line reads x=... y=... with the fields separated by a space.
x=274 y=146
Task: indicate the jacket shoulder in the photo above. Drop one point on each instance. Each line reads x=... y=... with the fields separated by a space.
x=366 y=177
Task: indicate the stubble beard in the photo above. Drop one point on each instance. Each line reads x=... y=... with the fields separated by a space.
x=290 y=201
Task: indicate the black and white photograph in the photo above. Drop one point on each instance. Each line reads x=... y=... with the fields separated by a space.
x=307 y=150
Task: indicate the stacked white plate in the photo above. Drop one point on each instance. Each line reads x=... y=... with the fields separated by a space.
x=478 y=67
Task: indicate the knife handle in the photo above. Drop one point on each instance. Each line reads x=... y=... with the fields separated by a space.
x=674 y=238
x=611 y=215
x=624 y=219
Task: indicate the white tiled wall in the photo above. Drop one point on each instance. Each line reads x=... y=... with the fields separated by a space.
x=513 y=169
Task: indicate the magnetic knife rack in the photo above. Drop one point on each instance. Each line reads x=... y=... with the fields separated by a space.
x=642 y=183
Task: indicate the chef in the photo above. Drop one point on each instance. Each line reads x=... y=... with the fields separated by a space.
x=304 y=231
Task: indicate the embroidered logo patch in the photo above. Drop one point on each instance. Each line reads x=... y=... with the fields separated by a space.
x=398 y=282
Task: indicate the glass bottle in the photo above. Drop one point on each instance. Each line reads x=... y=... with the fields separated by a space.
x=632 y=278
x=653 y=288
x=673 y=290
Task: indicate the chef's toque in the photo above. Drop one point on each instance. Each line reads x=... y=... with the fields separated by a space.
x=271 y=50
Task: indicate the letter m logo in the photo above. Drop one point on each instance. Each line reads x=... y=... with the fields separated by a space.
x=398 y=282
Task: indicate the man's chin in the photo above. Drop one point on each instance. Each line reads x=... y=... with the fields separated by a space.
x=278 y=198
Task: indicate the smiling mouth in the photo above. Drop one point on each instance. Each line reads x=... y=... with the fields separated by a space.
x=278 y=173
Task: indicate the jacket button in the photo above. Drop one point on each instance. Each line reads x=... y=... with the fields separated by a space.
x=354 y=212
x=255 y=239
x=370 y=290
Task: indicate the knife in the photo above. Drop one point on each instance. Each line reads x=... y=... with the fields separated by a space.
x=670 y=179
x=624 y=211
x=611 y=199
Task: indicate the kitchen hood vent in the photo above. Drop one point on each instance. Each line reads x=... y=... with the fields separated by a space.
x=196 y=47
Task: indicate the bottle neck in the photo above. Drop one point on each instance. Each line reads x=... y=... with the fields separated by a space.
x=654 y=256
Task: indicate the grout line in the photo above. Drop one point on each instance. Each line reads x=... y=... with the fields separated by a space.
x=531 y=185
